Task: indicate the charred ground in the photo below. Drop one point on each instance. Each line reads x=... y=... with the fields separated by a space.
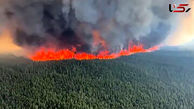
x=162 y=79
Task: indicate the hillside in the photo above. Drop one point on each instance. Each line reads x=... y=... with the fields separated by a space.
x=162 y=79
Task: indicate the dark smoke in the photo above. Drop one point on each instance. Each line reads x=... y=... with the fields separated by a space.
x=68 y=24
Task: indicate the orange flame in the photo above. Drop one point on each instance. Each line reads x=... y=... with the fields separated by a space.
x=50 y=54
x=98 y=40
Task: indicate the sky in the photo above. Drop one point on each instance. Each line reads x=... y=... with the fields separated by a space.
x=184 y=33
x=7 y=44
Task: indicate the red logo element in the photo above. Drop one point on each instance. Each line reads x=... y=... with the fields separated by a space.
x=179 y=9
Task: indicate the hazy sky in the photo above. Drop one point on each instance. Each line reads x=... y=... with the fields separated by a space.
x=7 y=45
x=184 y=33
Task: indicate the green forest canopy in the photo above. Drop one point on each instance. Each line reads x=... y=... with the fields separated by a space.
x=161 y=79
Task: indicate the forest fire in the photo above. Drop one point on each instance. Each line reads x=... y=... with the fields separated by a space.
x=59 y=30
x=65 y=54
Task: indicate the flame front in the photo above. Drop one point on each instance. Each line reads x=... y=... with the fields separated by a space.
x=50 y=54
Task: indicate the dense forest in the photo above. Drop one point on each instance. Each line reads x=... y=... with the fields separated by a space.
x=159 y=80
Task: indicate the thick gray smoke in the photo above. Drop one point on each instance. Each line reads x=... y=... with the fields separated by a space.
x=67 y=24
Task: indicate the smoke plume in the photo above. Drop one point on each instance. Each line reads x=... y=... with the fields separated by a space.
x=87 y=25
